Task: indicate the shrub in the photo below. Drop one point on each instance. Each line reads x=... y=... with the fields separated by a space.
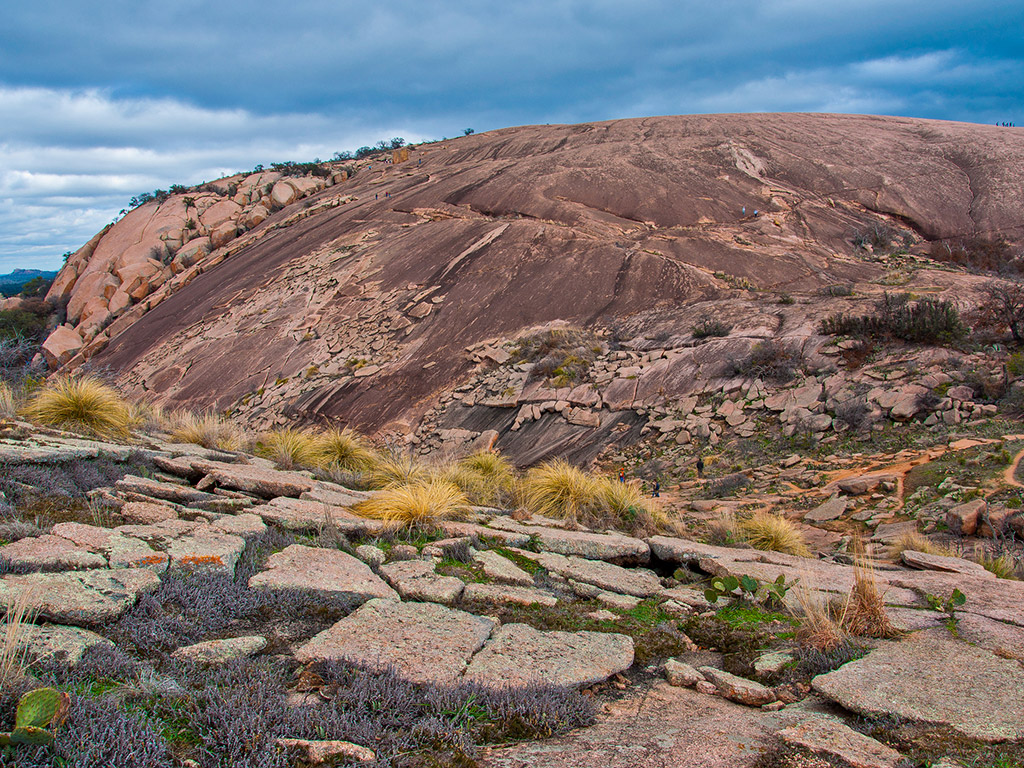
x=838 y=290
x=342 y=449
x=562 y=353
x=19 y=324
x=917 y=542
x=1002 y=566
x=775 y=533
x=209 y=430
x=624 y=506
x=865 y=611
x=288 y=447
x=925 y=321
x=880 y=237
x=708 y=327
x=724 y=530
x=772 y=361
x=990 y=255
x=81 y=403
x=416 y=504
x=558 y=489
x=8 y=402
x=495 y=478
x=395 y=470
x=725 y=485
x=855 y=412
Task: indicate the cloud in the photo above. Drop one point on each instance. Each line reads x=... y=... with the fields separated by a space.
x=101 y=101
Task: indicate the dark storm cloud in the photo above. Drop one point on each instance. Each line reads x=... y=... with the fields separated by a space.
x=102 y=100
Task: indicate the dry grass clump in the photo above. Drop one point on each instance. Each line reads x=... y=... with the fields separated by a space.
x=288 y=447
x=558 y=489
x=343 y=449
x=917 y=542
x=865 y=610
x=82 y=404
x=8 y=402
x=18 y=613
x=1002 y=566
x=821 y=624
x=723 y=530
x=418 y=504
x=395 y=470
x=772 y=532
x=486 y=478
x=147 y=417
x=209 y=430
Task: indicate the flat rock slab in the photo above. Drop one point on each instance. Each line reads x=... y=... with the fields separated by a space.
x=507 y=594
x=997 y=599
x=657 y=727
x=424 y=642
x=50 y=553
x=927 y=562
x=246 y=525
x=832 y=509
x=82 y=598
x=146 y=513
x=417 y=580
x=613 y=547
x=55 y=641
x=833 y=739
x=205 y=551
x=637 y=582
x=308 y=515
x=500 y=568
x=518 y=655
x=934 y=679
x=321 y=570
x=253 y=479
x=155 y=489
x=214 y=652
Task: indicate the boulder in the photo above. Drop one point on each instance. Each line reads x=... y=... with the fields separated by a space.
x=223 y=234
x=934 y=679
x=259 y=481
x=832 y=509
x=423 y=642
x=327 y=752
x=738 y=689
x=678 y=673
x=518 y=655
x=283 y=194
x=963 y=518
x=329 y=571
x=506 y=594
x=928 y=562
x=832 y=738
x=417 y=580
x=216 y=652
x=82 y=598
x=61 y=345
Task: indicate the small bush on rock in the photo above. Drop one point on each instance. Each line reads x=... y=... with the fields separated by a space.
x=925 y=321
x=416 y=504
x=775 y=533
x=709 y=327
x=772 y=361
x=83 y=404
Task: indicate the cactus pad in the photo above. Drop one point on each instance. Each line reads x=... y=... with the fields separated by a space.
x=37 y=708
x=32 y=736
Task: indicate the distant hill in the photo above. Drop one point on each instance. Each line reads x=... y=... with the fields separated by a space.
x=12 y=282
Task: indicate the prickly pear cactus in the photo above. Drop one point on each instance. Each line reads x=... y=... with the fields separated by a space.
x=38 y=708
x=31 y=736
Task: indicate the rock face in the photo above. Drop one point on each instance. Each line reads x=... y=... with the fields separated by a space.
x=424 y=642
x=648 y=209
x=933 y=679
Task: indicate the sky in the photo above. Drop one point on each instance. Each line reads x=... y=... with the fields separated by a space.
x=102 y=100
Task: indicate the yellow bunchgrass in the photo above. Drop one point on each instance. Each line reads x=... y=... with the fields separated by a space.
x=147 y=417
x=418 y=504
x=288 y=447
x=918 y=542
x=865 y=610
x=773 y=532
x=1002 y=566
x=19 y=612
x=342 y=449
x=394 y=470
x=8 y=402
x=80 y=404
x=209 y=430
x=724 y=530
x=486 y=478
x=560 y=490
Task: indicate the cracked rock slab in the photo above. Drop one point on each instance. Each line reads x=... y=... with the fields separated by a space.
x=54 y=641
x=934 y=679
x=505 y=594
x=637 y=582
x=330 y=571
x=50 y=553
x=417 y=580
x=519 y=655
x=833 y=739
x=423 y=642
x=81 y=598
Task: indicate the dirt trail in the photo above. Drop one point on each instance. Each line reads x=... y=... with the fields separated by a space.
x=1010 y=473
